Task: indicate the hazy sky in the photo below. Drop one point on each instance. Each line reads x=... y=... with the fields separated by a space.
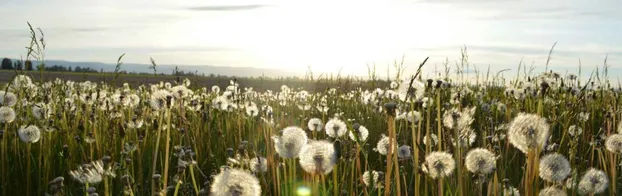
x=327 y=35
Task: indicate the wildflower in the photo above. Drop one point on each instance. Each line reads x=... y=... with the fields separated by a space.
x=161 y=99
x=289 y=144
x=134 y=100
x=373 y=178
x=383 y=145
x=215 y=89
x=135 y=123
x=403 y=152
x=335 y=128
x=552 y=191
x=7 y=114
x=528 y=131
x=393 y=85
x=8 y=98
x=439 y=164
x=41 y=111
x=413 y=116
x=21 y=81
x=304 y=106
x=614 y=143
x=412 y=91
x=594 y=181
x=573 y=130
x=29 y=133
x=360 y=131
x=235 y=182
x=252 y=110
x=259 y=165
x=92 y=173
x=433 y=138
x=510 y=191
x=554 y=167
x=318 y=157
x=315 y=124
x=220 y=103
x=480 y=161
x=583 y=116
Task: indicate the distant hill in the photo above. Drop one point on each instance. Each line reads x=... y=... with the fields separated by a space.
x=168 y=69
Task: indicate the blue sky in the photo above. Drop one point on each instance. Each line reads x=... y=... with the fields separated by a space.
x=327 y=35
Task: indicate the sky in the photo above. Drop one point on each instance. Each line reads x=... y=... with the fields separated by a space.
x=324 y=35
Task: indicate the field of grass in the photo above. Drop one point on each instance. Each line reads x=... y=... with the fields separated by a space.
x=542 y=135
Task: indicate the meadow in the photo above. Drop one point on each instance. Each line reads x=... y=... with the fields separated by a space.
x=538 y=134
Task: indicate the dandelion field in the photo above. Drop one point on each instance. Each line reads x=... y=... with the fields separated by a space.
x=546 y=134
x=542 y=134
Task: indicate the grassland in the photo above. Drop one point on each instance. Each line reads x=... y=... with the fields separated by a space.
x=412 y=136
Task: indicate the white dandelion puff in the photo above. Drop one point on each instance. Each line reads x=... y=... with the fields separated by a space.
x=259 y=165
x=614 y=143
x=335 y=128
x=383 y=145
x=315 y=124
x=361 y=132
x=7 y=114
x=92 y=173
x=41 y=111
x=439 y=164
x=373 y=178
x=573 y=130
x=552 y=191
x=318 y=157
x=594 y=181
x=403 y=152
x=29 y=133
x=528 y=131
x=510 y=191
x=237 y=182
x=8 y=98
x=554 y=167
x=291 y=141
x=480 y=161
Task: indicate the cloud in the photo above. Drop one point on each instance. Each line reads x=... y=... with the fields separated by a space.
x=92 y=29
x=226 y=8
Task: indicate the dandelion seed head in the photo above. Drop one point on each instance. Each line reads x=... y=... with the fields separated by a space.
x=92 y=173
x=7 y=114
x=29 y=133
x=289 y=144
x=552 y=191
x=230 y=182
x=383 y=147
x=439 y=164
x=528 y=131
x=8 y=98
x=318 y=157
x=41 y=111
x=403 y=152
x=510 y=191
x=594 y=181
x=574 y=130
x=373 y=178
x=335 y=128
x=259 y=165
x=614 y=143
x=433 y=139
x=315 y=124
x=554 y=167
x=361 y=132
x=480 y=161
